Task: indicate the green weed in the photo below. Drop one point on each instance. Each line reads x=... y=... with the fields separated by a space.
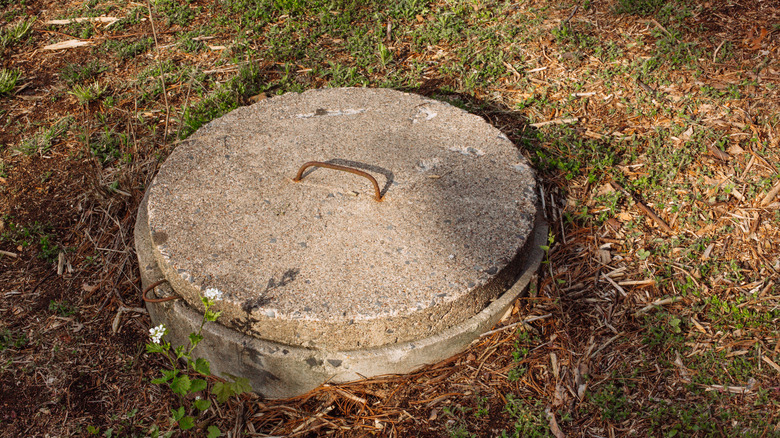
x=42 y=141
x=77 y=72
x=189 y=44
x=179 y=12
x=125 y=50
x=109 y=145
x=457 y=427
x=385 y=55
x=613 y=403
x=12 y=339
x=33 y=235
x=529 y=420
x=663 y=330
x=88 y=93
x=638 y=7
x=248 y=82
x=178 y=379
x=8 y=80
x=62 y=308
x=16 y=33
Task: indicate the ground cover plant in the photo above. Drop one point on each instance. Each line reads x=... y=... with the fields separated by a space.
x=653 y=125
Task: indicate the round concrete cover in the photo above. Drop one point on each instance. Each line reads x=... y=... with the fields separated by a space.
x=320 y=263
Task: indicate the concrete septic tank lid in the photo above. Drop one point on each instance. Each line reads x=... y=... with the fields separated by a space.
x=319 y=264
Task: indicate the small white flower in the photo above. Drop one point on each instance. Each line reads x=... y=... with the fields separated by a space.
x=197 y=397
x=213 y=294
x=156 y=333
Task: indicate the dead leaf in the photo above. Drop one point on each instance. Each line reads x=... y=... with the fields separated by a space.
x=735 y=149
x=258 y=97
x=579 y=380
x=89 y=288
x=717 y=153
x=605 y=189
x=558 y=396
x=685 y=136
x=69 y=44
x=614 y=224
x=554 y=428
x=755 y=43
x=419 y=18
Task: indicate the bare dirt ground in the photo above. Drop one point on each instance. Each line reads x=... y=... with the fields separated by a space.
x=654 y=128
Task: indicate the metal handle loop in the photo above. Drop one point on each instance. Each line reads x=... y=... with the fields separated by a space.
x=157 y=300
x=377 y=192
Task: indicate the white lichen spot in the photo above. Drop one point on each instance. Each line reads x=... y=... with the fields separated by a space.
x=468 y=150
x=425 y=113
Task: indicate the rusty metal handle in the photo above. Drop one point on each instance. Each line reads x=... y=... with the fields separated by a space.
x=377 y=192
x=157 y=300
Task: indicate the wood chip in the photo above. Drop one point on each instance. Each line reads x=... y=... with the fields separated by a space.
x=771 y=363
x=555 y=122
x=733 y=389
x=101 y=19
x=637 y=282
x=698 y=326
x=771 y=195
x=649 y=211
x=525 y=321
x=616 y=286
x=68 y=44
x=657 y=303
x=60 y=263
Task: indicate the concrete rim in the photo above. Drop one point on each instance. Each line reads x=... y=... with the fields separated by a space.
x=280 y=371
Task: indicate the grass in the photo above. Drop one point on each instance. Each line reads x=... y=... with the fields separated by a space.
x=79 y=72
x=43 y=140
x=8 y=80
x=16 y=33
x=12 y=339
x=648 y=104
x=87 y=93
x=35 y=235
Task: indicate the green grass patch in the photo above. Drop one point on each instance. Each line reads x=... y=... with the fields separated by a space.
x=248 y=82
x=638 y=7
x=12 y=339
x=109 y=145
x=16 y=33
x=87 y=93
x=35 y=235
x=79 y=72
x=124 y=50
x=8 y=80
x=43 y=140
